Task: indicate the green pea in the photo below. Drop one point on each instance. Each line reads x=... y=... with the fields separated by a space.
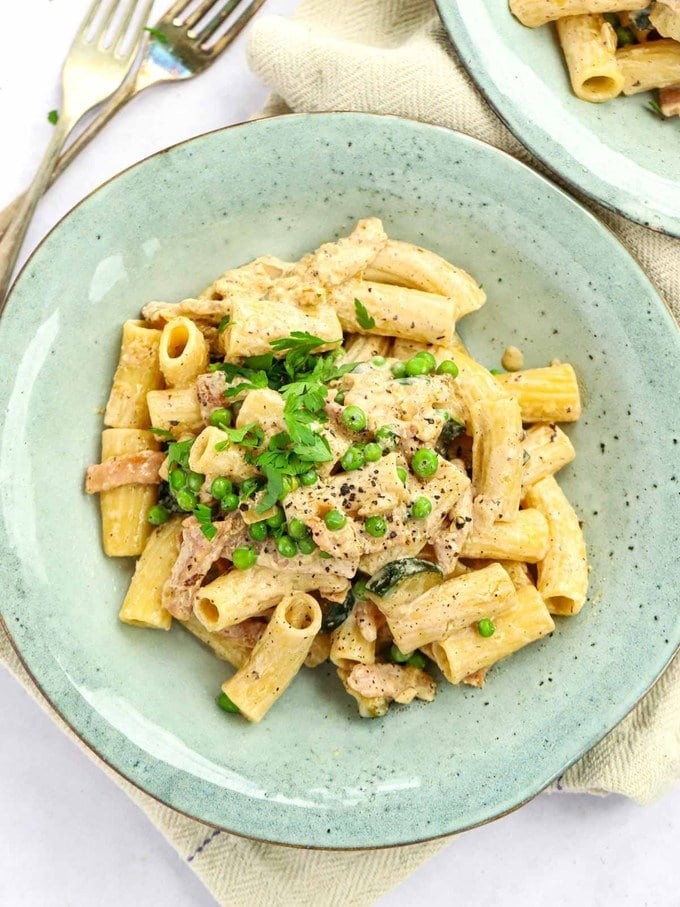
x=447 y=367
x=308 y=478
x=229 y=503
x=379 y=361
x=259 y=531
x=354 y=418
x=340 y=397
x=286 y=546
x=187 y=500
x=276 y=520
x=158 y=515
x=195 y=481
x=297 y=529
x=486 y=627
x=221 y=486
x=243 y=558
x=307 y=545
x=335 y=520
x=359 y=588
x=417 y=366
x=376 y=526
x=427 y=357
x=386 y=437
x=225 y=703
x=353 y=458
x=221 y=416
x=425 y=462
x=417 y=660
x=398 y=656
x=177 y=479
x=398 y=369
x=372 y=452
x=403 y=474
x=422 y=508
x=290 y=483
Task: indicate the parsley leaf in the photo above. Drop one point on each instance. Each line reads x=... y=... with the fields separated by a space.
x=250 y=435
x=260 y=363
x=225 y=320
x=655 y=107
x=364 y=320
x=53 y=117
x=162 y=433
x=158 y=35
x=204 y=515
x=249 y=487
x=178 y=452
x=273 y=491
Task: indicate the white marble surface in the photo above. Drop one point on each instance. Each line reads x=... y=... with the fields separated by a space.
x=69 y=836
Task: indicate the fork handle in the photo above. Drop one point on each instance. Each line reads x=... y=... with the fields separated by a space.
x=94 y=127
x=10 y=245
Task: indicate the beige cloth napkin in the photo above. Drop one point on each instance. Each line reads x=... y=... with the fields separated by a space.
x=391 y=56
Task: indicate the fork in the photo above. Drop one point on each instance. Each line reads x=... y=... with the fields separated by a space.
x=175 y=49
x=98 y=62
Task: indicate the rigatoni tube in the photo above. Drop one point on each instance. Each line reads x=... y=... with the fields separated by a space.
x=124 y=510
x=589 y=47
x=183 y=352
x=277 y=656
x=142 y=605
x=563 y=572
x=137 y=373
x=466 y=651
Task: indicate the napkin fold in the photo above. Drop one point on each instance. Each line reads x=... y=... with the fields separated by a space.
x=392 y=56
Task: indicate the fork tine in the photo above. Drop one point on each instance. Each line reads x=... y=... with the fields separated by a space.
x=171 y=15
x=100 y=33
x=201 y=10
x=90 y=16
x=213 y=24
x=235 y=29
x=132 y=7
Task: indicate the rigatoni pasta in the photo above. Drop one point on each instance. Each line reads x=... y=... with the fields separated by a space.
x=612 y=47
x=318 y=470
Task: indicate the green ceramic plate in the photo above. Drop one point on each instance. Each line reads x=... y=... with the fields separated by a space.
x=620 y=153
x=313 y=773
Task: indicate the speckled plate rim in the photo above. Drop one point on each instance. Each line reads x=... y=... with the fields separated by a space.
x=128 y=775
x=538 y=141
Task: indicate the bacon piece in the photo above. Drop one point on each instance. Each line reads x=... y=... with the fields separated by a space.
x=246 y=633
x=669 y=101
x=393 y=682
x=197 y=554
x=477 y=678
x=131 y=469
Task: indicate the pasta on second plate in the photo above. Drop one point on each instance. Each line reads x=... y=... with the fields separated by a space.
x=310 y=467
x=611 y=47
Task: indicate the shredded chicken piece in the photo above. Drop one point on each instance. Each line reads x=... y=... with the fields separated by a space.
x=393 y=682
x=331 y=264
x=369 y=619
x=131 y=469
x=477 y=678
x=247 y=633
x=210 y=389
x=197 y=554
x=449 y=543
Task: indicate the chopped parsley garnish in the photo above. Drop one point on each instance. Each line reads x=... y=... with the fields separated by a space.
x=364 y=320
x=250 y=435
x=158 y=35
x=204 y=515
x=53 y=117
x=178 y=452
x=655 y=107
x=225 y=320
x=162 y=433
